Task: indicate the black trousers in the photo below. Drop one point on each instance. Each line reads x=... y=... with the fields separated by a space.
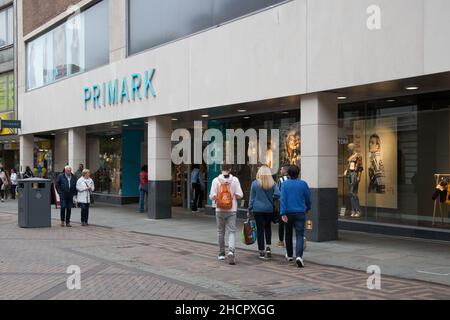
x=264 y=229
x=281 y=230
x=84 y=212
x=66 y=209
x=197 y=196
x=13 y=191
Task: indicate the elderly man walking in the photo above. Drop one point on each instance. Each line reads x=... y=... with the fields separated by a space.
x=66 y=186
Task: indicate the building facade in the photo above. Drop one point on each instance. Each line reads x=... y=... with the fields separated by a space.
x=9 y=140
x=358 y=90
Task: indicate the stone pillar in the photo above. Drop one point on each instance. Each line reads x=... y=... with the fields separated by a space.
x=93 y=163
x=160 y=167
x=77 y=147
x=61 y=151
x=319 y=130
x=26 y=152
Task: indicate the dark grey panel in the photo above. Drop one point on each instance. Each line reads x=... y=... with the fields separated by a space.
x=324 y=215
x=160 y=200
x=155 y=22
x=395 y=230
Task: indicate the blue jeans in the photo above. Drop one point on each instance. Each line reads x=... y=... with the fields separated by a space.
x=66 y=209
x=143 y=192
x=84 y=212
x=297 y=221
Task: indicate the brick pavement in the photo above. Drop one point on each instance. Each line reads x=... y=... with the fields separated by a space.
x=127 y=265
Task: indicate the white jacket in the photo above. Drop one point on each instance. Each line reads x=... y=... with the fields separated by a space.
x=235 y=188
x=83 y=187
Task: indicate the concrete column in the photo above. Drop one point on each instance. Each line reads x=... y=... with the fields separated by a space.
x=26 y=152
x=117 y=30
x=160 y=167
x=93 y=163
x=61 y=151
x=319 y=130
x=77 y=147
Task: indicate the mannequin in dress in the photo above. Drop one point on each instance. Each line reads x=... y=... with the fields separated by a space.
x=352 y=178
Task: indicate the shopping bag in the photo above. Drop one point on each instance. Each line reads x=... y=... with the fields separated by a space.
x=249 y=232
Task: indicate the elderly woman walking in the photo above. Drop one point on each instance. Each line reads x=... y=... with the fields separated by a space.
x=85 y=187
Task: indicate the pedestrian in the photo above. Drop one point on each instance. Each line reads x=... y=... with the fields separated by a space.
x=225 y=192
x=66 y=186
x=197 y=183
x=79 y=172
x=295 y=204
x=143 y=188
x=13 y=183
x=28 y=174
x=264 y=191
x=85 y=188
x=281 y=225
x=4 y=184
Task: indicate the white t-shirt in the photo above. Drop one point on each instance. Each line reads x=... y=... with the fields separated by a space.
x=235 y=188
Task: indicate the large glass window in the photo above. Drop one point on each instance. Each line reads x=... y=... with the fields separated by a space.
x=6 y=27
x=79 y=44
x=394 y=159
x=6 y=92
x=155 y=22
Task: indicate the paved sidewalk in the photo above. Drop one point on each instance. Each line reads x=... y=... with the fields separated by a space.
x=400 y=257
x=128 y=266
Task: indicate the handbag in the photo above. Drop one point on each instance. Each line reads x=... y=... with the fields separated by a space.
x=249 y=234
x=91 y=196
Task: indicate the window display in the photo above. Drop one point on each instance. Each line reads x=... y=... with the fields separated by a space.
x=108 y=178
x=395 y=147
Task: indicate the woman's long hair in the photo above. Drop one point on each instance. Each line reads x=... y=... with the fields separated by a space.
x=264 y=178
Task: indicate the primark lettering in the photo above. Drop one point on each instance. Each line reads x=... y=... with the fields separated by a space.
x=115 y=92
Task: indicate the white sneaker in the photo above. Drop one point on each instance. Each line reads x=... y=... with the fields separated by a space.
x=231 y=259
x=289 y=259
x=222 y=257
x=300 y=263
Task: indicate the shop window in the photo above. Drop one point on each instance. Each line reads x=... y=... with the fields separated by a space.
x=79 y=44
x=155 y=22
x=107 y=178
x=390 y=152
x=7 y=100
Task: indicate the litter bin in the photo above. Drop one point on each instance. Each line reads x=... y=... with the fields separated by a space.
x=34 y=203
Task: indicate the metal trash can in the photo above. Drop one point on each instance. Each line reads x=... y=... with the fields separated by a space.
x=35 y=203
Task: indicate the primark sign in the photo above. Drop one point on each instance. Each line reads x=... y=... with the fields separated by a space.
x=133 y=88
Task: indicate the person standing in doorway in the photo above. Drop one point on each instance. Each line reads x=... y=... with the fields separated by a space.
x=225 y=192
x=79 y=172
x=85 y=187
x=143 y=188
x=264 y=191
x=281 y=224
x=66 y=186
x=4 y=183
x=13 y=183
x=197 y=186
x=295 y=204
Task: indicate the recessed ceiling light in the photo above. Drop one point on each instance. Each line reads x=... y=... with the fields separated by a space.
x=342 y=98
x=412 y=88
x=125 y=125
x=112 y=139
x=53 y=134
x=285 y=112
x=174 y=119
x=391 y=100
x=205 y=116
x=246 y=118
x=242 y=110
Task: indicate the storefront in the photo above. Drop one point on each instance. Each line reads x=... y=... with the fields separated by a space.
x=400 y=149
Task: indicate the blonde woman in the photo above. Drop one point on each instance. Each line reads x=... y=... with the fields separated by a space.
x=85 y=187
x=263 y=193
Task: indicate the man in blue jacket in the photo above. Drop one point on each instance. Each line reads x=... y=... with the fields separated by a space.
x=295 y=203
x=66 y=186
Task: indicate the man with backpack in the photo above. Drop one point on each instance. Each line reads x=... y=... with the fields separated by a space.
x=225 y=192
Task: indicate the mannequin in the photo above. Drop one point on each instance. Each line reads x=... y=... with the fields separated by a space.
x=353 y=177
